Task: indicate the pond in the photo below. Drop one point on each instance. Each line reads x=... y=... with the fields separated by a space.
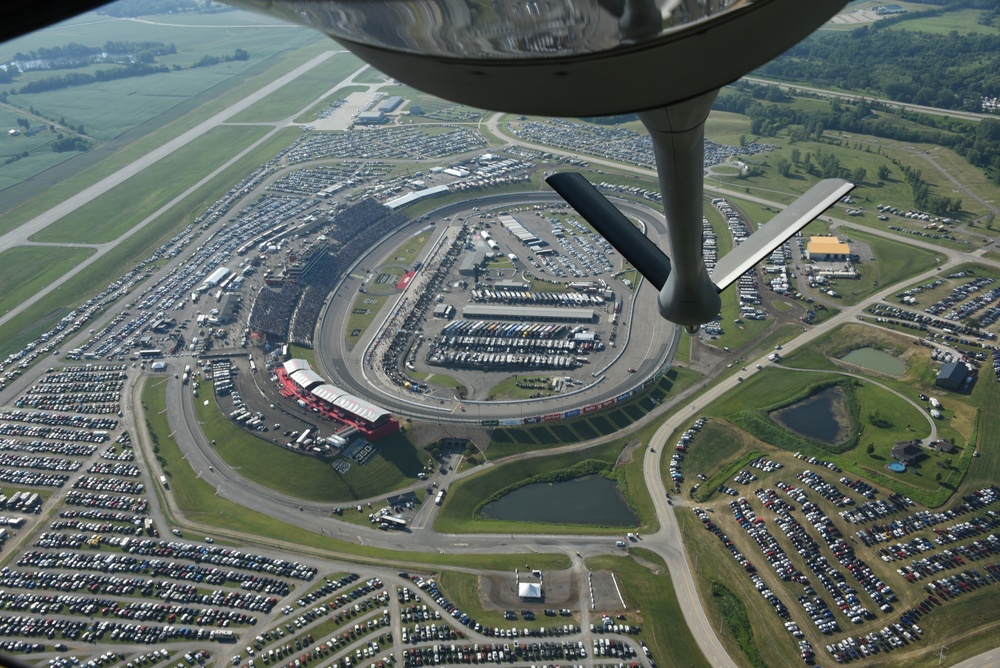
x=592 y=500
x=822 y=416
x=876 y=360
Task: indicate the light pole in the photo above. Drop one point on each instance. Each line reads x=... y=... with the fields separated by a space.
x=941 y=654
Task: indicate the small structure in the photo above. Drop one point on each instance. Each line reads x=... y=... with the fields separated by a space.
x=827 y=249
x=907 y=451
x=529 y=590
x=952 y=376
x=889 y=10
x=390 y=104
x=942 y=445
x=444 y=311
x=371 y=118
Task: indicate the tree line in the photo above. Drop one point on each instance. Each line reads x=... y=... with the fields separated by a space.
x=978 y=143
x=82 y=78
x=950 y=71
x=80 y=54
x=207 y=60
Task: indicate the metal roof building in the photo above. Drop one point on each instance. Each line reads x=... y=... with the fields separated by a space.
x=293 y=365
x=390 y=104
x=410 y=198
x=306 y=378
x=827 y=249
x=328 y=393
x=951 y=376
x=362 y=408
x=529 y=590
x=505 y=312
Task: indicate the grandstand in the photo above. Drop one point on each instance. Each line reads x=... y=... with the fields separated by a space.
x=355 y=230
x=272 y=311
x=299 y=381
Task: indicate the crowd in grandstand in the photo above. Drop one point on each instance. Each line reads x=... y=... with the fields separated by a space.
x=355 y=230
x=272 y=310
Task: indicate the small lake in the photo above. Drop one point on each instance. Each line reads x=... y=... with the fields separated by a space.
x=822 y=416
x=592 y=499
x=876 y=360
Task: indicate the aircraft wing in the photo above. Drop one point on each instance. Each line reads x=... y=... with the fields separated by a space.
x=609 y=222
x=779 y=229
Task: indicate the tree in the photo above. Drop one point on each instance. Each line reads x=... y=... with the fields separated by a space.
x=883 y=173
x=784 y=167
x=870 y=449
x=859 y=174
x=796 y=156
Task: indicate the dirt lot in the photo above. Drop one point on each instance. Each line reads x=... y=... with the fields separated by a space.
x=499 y=592
x=605 y=593
x=562 y=589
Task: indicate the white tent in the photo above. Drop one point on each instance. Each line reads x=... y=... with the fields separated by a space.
x=529 y=590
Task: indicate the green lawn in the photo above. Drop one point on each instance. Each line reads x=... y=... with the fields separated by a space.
x=303 y=91
x=29 y=269
x=124 y=206
x=308 y=477
x=651 y=598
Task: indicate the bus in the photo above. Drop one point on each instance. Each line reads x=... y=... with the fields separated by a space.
x=146 y=354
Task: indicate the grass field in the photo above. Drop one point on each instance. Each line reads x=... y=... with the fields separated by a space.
x=140 y=99
x=714 y=447
x=649 y=593
x=117 y=211
x=369 y=307
x=130 y=144
x=197 y=502
x=307 y=477
x=883 y=418
x=508 y=441
x=29 y=269
x=534 y=386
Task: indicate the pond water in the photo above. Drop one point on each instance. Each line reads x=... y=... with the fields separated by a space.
x=876 y=360
x=591 y=499
x=822 y=416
